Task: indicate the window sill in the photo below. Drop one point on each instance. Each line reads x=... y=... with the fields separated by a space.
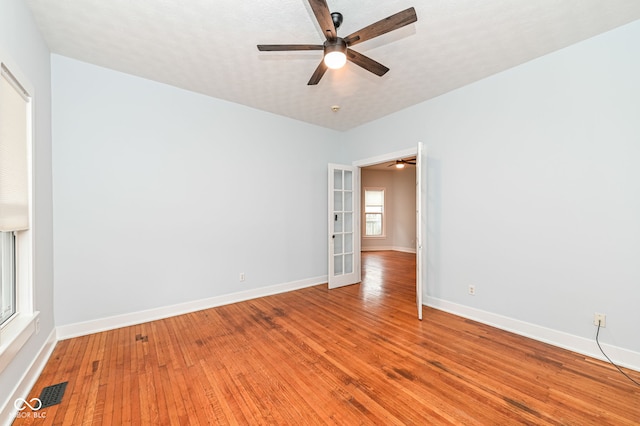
x=14 y=336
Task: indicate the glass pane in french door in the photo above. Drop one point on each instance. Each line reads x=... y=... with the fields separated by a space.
x=337 y=265
x=337 y=244
x=348 y=263
x=337 y=179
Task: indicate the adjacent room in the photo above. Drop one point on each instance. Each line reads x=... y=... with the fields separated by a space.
x=205 y=220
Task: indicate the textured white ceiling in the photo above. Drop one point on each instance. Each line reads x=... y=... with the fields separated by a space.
x=209 y=46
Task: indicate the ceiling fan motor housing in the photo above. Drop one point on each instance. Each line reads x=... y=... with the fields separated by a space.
x=337 y=45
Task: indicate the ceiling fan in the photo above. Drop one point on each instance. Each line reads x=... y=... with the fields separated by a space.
x=337 y=50
x=399 y=164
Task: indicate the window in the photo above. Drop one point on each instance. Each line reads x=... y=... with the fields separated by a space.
x=18 y=321
x=374 y=212
x=7 y=276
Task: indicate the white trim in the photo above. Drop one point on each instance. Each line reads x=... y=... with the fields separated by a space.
x=28 y=379
x=385 y=157
x=103 y=324
x=390 y=248
x=15 y=335
x=622 y=357
x=8 y=75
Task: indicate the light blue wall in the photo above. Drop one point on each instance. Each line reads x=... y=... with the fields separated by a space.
x=534 y=191
x=164 y=196
x=22 y=43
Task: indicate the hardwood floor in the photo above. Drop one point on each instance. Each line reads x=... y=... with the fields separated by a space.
x=354 y=355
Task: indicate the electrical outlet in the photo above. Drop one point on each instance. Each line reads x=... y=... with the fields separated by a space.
x=241 y=276
x=472 y=290
x=601 y=319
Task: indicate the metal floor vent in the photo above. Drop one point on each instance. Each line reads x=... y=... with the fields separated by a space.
x=52 y=395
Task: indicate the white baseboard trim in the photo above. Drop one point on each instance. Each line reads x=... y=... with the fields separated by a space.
x=622 y=357
x=28 y=379
x=405 y=249
x=389 y=248
x=125 y=320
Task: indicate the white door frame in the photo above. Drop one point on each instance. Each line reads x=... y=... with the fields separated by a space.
x=372 y=161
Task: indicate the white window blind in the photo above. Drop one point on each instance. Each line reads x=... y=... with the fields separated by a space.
x=14 y=184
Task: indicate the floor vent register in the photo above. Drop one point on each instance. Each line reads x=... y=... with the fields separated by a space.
x=52 y=395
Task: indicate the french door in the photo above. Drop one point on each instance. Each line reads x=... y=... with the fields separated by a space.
x=421 y=223
x=343 y=225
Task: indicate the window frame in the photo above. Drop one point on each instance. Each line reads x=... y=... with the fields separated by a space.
x=382 y=214
x=8 y=271
x=25 y=322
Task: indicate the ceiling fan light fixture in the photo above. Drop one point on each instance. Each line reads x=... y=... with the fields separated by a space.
x=335 y=53
x=399 y=165
x=335 y=60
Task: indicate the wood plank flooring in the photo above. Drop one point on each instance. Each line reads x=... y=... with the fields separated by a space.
x=349 y=356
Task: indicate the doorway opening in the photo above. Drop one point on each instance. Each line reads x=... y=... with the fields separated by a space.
x=405 y=219
x=388 y=207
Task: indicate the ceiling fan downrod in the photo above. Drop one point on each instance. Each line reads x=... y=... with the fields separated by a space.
x=336 y=17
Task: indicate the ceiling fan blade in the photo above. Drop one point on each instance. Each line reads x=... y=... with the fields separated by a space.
x=287 y=47
x=384 y=26
x=366 y=63
x=317 y=74
x=323 y=15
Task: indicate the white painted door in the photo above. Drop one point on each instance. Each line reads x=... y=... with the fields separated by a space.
x=344 y=231
x=421 y=221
